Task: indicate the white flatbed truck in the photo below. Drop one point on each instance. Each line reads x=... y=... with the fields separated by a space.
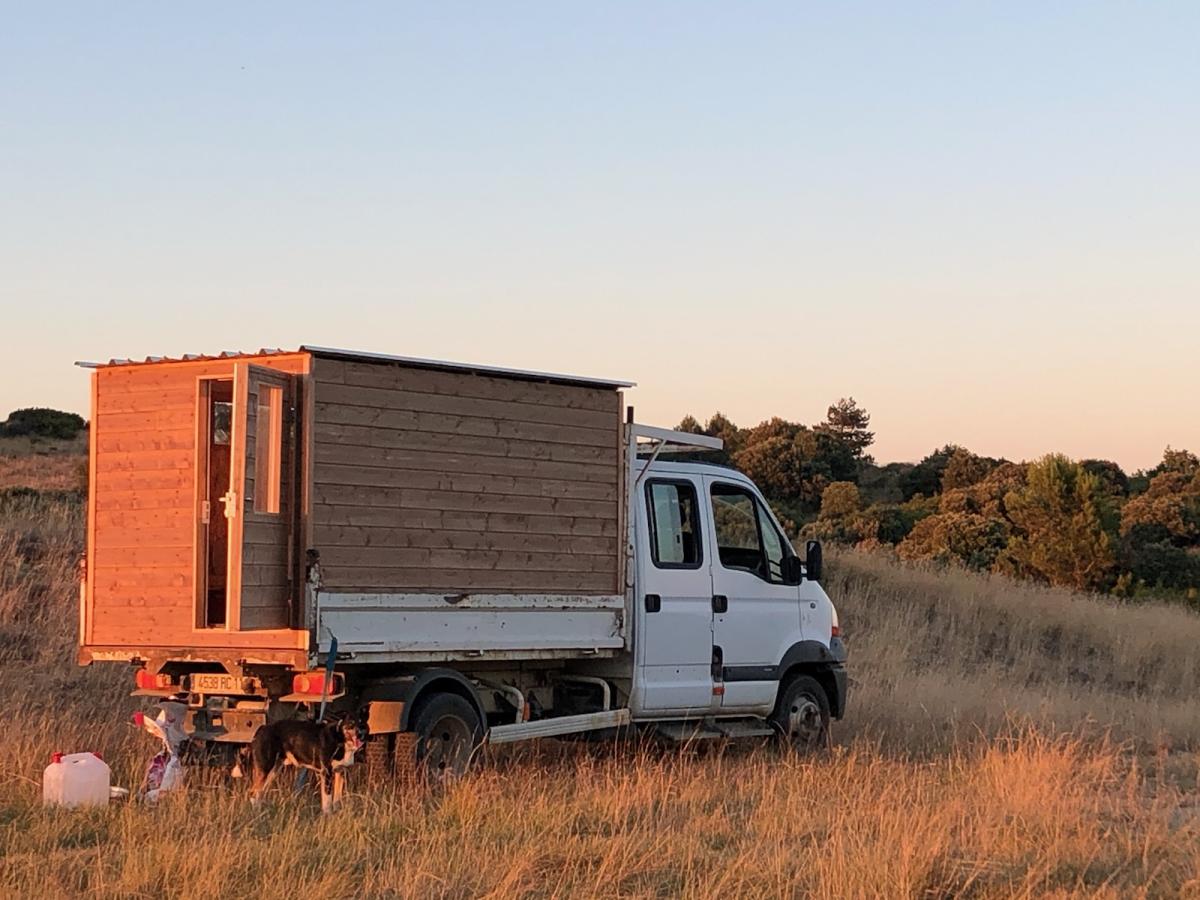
x=458 y=553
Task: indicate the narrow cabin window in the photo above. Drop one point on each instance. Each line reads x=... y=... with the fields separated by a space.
x=268 y=449
x=222 y=420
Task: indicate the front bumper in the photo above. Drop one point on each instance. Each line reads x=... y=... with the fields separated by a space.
x=837 y=703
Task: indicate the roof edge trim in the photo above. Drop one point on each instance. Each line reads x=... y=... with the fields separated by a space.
x=418 y=362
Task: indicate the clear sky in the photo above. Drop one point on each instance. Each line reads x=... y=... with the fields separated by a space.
x=981 y=220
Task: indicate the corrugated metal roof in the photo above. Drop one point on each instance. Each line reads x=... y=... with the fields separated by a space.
x=363 y=356
x=187 y=357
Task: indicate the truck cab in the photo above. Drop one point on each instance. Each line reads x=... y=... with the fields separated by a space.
x=725 y=613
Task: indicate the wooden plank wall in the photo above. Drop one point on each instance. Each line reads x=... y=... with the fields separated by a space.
x=141 y=578
x=453 y=482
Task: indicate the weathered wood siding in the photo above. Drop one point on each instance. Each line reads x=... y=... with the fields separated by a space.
x=142 y=506
x=426 y=480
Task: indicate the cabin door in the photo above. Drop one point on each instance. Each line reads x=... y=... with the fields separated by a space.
x=213 y=458
x=261 y=503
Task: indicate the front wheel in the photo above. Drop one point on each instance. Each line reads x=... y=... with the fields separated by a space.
x=801 y=716
x=448 y=732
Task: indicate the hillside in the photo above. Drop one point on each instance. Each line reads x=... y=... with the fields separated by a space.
x=1002 y=739
x=43 y=463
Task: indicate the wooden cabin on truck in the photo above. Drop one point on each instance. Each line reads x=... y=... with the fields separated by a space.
x=451 y=550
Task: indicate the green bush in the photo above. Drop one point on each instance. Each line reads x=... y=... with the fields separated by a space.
x=42 y=422
x=896 y=520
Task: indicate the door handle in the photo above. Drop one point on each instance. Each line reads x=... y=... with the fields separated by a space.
x=230 y=501
x=720 y=603
x=653 y=603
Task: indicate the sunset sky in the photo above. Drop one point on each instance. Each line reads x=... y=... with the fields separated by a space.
x=980 y=220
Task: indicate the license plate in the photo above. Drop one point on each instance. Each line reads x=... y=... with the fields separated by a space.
x=215 y=683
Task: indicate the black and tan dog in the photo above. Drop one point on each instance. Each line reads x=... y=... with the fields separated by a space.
x=326 y=748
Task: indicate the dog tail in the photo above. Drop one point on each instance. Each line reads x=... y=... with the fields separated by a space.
x=242 y=762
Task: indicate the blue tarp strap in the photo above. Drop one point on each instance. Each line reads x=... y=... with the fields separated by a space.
x=326 y=687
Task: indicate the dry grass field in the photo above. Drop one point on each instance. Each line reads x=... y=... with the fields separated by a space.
x=43 y=463
x=1002 y=740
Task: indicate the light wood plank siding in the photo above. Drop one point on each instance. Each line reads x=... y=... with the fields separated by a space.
x=452 y=482
x=142 y=504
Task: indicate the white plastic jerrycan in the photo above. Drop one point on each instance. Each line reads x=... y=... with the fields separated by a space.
x=76 y=779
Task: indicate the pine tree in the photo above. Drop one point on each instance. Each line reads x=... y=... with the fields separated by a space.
x=848 y=423
x=1064 y=527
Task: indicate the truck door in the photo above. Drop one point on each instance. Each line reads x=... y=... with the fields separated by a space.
x=756 y=617
x=674 y=617
x=261 y=502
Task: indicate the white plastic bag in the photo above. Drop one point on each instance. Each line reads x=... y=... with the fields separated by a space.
x=165 y=772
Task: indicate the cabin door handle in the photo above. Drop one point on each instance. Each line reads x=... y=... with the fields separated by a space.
x=653 y=603
x=720 y=603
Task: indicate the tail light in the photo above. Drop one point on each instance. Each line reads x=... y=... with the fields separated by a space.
x=304 y=683
x=147 y=682
x=314 y=683
x=835 y=631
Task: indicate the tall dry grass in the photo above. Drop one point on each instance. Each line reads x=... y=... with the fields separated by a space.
x=1002 y=740
x=1029 y=817
x=939 y=654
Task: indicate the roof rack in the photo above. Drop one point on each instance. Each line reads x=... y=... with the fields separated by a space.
x=666 y=436
x=662 y=438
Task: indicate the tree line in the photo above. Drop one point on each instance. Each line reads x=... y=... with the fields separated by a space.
x=1083 y=524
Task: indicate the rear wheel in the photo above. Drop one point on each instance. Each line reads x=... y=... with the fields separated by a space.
x=802 y=714
x=448 y=732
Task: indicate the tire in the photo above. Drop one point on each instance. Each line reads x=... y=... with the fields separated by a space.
x=801 y=715
x=448 y=732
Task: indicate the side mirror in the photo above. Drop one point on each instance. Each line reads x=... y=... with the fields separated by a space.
x=793 y=570
x=812 y=560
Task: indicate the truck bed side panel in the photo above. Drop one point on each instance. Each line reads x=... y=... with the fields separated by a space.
x=386 y=627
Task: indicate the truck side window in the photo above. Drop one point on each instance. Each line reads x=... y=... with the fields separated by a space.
x=746 y=537
x=674 y=524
